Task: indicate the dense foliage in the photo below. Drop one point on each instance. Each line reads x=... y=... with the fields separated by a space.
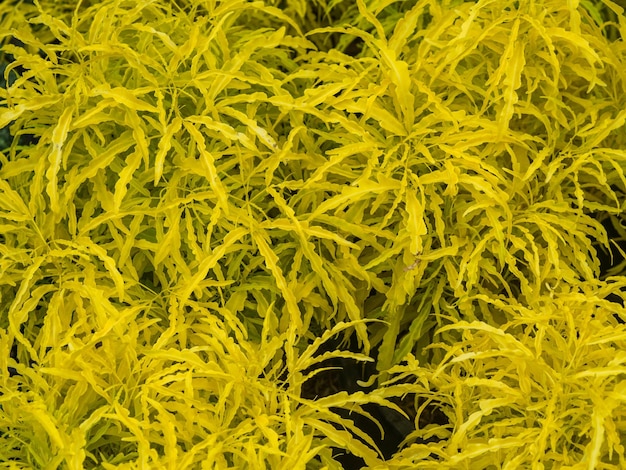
x=197 y=197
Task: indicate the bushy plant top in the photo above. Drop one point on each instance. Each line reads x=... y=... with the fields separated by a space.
x=196 y=195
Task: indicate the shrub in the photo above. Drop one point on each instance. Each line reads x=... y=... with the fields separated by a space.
x=196 y=196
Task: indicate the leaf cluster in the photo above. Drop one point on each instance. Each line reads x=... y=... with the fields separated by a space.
x=196 y=195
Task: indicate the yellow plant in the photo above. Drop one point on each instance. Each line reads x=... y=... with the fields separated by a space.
x=196 y=195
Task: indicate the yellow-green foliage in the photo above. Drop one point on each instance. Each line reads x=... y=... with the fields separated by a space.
x=216 y=188
x=545 y=390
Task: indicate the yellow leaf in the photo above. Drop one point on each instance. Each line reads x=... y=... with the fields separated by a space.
x=59 y=135
x=210 y=261
x=511 y=82
x=165 y=144
x=94 y=116
x=351 y=193
x=169 y=242
x=271 y=261
x=416 y=225
x=38 y=411
x=124 y=97
x=11 y=114
x=126 y=175
x=209 y=165
x=133 y=120
x=400 y=77
x=12 y=202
